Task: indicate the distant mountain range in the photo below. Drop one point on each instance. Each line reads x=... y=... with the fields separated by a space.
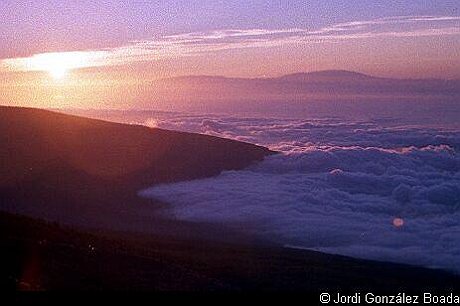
x=326 y=75
x=332 y=85
x=315 y=76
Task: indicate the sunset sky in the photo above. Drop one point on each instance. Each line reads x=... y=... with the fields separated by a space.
x=101 y=43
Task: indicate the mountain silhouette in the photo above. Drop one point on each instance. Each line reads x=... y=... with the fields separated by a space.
x=86 y=171
x=215 y=93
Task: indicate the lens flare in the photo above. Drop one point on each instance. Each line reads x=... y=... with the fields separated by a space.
x=398 y=222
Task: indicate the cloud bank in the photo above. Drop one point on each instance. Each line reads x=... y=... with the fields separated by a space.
x=200 y=43
x=367 y=189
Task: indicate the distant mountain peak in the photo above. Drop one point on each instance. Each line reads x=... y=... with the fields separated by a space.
x=300 y=76
x=326 y=74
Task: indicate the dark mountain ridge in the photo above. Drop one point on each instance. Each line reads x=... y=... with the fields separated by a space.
x=88 y=172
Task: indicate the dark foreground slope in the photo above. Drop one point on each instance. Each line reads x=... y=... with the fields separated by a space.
x=39 y=256
x=87 y=172
x=34 y=141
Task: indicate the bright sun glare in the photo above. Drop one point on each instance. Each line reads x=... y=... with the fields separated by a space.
x=57 y=64
x=57 y=72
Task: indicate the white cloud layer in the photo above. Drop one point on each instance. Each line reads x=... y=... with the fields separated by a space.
x=367 y=189
x=199 y=43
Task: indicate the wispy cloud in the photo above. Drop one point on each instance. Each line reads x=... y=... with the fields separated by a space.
x=199 y=43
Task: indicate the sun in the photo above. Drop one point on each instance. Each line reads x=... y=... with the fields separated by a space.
x=57 y=72
x=56 y=64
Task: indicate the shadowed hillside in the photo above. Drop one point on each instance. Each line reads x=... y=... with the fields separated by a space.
x=41 y=256
x=34 y=141
x=88 y=172
x=81 y=176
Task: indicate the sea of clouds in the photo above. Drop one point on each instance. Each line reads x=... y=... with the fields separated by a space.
x=375 y=189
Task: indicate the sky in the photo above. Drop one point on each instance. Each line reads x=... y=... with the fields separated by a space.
x=45 y=41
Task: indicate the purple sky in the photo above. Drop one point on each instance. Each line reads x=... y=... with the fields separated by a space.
x=53 y=25
x=88 y=42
